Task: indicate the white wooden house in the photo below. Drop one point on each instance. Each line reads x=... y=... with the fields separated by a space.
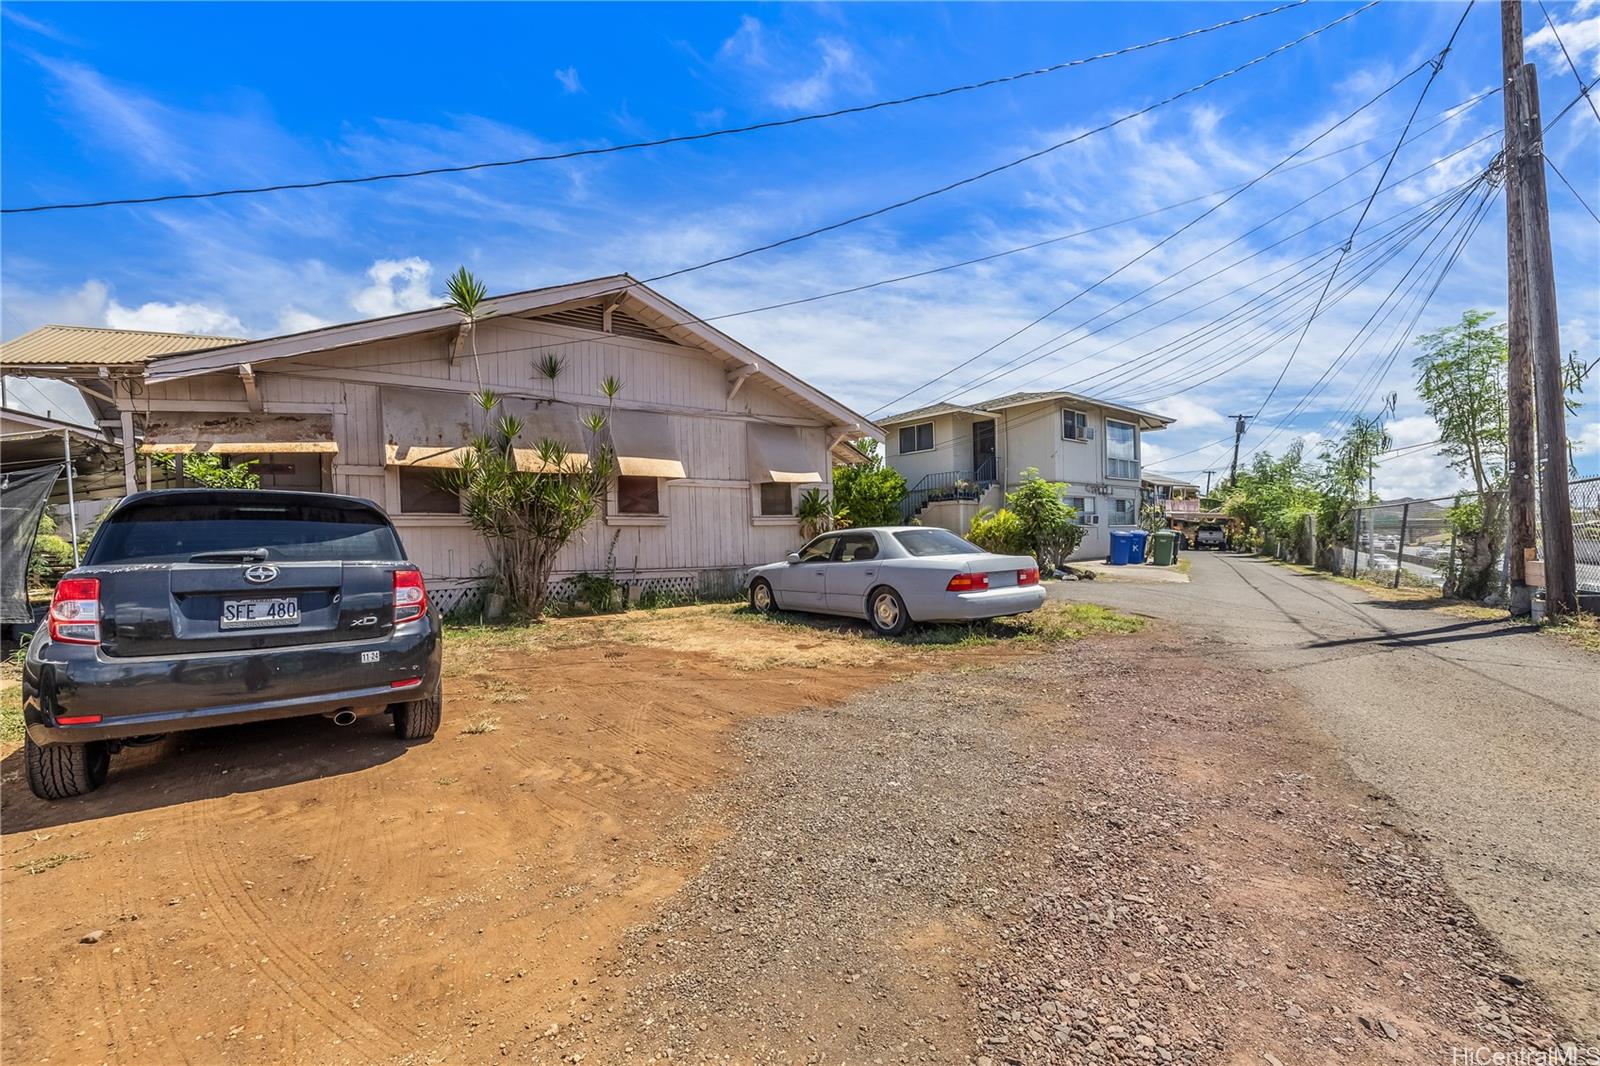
x=960 y=458
x=715 y=443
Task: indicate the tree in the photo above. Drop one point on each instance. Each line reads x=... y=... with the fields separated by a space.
x=207 y=469
x=999 y=531
x=1461 y=377
x=869 y=492
x=1049 y=527
x=1345 y=481
x=527 y=502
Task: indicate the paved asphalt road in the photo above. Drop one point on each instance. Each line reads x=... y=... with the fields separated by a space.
x=1486 y=735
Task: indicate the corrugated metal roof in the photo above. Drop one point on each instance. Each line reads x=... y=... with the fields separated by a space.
x=1162 y=479
x=95 y=346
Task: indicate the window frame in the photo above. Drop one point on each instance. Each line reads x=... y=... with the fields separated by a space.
x=832 y=539
x=761 y=511
x=915 y=430
x=1110 y=458
x=1133 y=520
x=615 y=516
x=400 y=473
x=1084 y=511
x=1083 y=416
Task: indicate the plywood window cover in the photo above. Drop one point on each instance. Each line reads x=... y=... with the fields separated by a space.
x=431 y=429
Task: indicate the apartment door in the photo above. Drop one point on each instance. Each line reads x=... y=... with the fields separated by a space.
x=983 y=457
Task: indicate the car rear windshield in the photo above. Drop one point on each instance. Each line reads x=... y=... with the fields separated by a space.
x=920 y=542
x=176 y=531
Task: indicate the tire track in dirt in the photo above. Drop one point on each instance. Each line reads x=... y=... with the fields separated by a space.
x=301 y=979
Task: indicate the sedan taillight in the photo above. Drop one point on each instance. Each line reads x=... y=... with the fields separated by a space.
x=75 y=611
x=1028 y=577
x=410 y=596
x=968 y=583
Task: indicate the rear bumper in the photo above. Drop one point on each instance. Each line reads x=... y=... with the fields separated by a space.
x=139 y=696
x=991 y=603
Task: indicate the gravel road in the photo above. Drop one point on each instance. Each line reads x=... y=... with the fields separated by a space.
x=1050 y=861
x=1486 y=735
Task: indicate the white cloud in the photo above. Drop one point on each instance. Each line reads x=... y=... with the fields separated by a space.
x=1581 y=35
x=174 y=318
x=294 y=320
x=838 y=69
x=568 y=77
x=747 y=44
x=397 y=285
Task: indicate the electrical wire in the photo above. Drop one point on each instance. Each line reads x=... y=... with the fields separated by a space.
x=1583 y=90
x=1438 y=65
x=1576 y=195
x=663 y=141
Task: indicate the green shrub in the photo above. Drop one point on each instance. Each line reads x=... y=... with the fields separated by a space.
x=999 y=531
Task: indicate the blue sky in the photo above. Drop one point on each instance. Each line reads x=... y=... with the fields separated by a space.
x=105 y=100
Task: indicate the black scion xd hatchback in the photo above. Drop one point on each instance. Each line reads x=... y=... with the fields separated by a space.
x=208 y=607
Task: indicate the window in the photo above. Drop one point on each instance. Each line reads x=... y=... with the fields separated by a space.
x=924 y=542
x=1122 y=450
x=1124 y=511
x=422 y=493
x=857 y=548
x=290 y=471
x=777 y=498
x=1084 y=505
x=918 y=438
x=638 y=495
x=1074 y=425
x=819 y=550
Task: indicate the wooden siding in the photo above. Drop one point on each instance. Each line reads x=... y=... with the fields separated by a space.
x=711 y=523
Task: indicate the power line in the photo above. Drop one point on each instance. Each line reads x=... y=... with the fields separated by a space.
x=1031 y=156
x=662 y=141
x=1575 y=193
x=1036 y=354
x=1583 y=90
x=1438 y=65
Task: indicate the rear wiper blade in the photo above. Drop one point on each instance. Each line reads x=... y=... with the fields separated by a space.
x=236 y=555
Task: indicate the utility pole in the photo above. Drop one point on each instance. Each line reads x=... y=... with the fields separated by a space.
x=1544 y=339
x=1238 y=432
x=1521 y=471
x=1208 y=483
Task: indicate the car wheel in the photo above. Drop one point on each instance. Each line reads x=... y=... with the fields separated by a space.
x=761 y=599
x=886 y=612
x=61 y=771
x=419 y=719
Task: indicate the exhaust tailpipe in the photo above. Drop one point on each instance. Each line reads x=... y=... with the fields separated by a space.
x=344 y=717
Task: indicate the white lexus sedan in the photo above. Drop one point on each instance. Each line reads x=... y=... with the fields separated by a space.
x=893 y=576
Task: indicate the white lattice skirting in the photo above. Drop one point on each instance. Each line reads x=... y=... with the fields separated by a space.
x=468 y=595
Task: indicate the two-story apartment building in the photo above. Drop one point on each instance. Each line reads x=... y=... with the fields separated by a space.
x=959 y=458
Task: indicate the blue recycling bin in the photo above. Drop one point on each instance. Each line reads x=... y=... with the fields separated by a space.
x=1122 y=546
x=1140 y=540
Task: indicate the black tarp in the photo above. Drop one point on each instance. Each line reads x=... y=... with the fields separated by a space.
x=23 y=494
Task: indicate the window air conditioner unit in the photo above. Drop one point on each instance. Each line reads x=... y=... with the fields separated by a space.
x=1092 y=519
x=1088 y=433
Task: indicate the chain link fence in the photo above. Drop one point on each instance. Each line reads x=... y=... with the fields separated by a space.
x=1413 y=544
x=1585 y=496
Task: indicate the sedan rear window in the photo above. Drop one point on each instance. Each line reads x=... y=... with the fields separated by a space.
x=921 y=542
x=165 y=531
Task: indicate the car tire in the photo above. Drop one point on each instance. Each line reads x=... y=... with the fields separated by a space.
x=886 y=612
x=762 y=600
x=419 y=719
x=62 y=771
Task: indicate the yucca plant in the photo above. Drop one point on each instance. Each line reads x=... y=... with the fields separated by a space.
x=464 y=292
x=815 y=511
x=528 y=509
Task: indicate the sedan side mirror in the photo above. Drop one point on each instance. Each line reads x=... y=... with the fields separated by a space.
x=794 y=557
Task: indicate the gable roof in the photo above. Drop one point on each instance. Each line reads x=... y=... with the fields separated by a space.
x=1162 y=479
x=1022 y=399
x=93 y=346
x=643 y=303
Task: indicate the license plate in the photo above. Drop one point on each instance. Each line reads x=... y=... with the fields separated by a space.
x=249 y=614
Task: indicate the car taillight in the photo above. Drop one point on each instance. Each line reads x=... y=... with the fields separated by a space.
x=1028 y=577
x=968 y=583
x=410 y=596
x=75 y=611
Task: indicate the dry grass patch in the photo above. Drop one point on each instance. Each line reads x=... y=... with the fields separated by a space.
x=1581 y=631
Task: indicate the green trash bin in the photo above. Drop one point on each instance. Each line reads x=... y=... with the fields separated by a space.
x=1166 y=547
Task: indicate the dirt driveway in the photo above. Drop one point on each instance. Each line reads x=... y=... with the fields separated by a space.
x=695 y=834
